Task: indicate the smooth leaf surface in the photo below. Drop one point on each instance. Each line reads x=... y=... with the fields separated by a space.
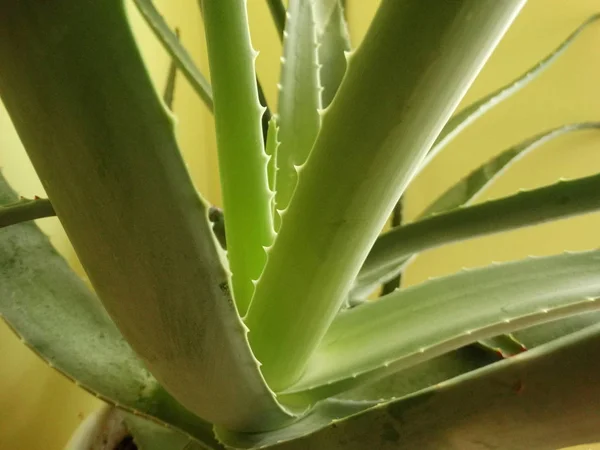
x=180 y=56
x=47 y=304
x=435 y=317
x=474 y=111
x=147 y=247
x=299 y=104
x=465 y=192
x=242 y=158
x=543 y=399
x=367 y=156
x=148 y=435
x=527 y=208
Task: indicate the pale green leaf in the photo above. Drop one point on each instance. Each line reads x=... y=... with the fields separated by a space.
x=527 y=208
x=169 y=91
x=58 y=317
x=546 y=398
x=427 y=320
x=472 y=112
x=242 y=159
x=367 y=155
x=298 y=115
x=334 y=42
x=180 y=56
x=148 y=435
x=464 y=192
x=147 y=247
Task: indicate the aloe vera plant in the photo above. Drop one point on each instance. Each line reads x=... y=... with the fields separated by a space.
x=253 y=327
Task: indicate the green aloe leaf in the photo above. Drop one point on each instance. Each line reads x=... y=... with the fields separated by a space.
x=24 y=210
x=111 y=134
x=474 y=111
x=542 y=399
x=368 y=156
x=334 y=41
x=46 y=304
x=242 y=158
x=464 y=192
x=527 y=208
x=298 y=117
x=435 y=317
x=180 y=56
x=148 y=435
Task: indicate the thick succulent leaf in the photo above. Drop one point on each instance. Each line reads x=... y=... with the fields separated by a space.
x=558 y=201
x=242 y=158
x=104 y=429
x=366 y=155
x=423 y=375
x=277 y=9
x=299 y=105
x=334 y=42
x=322 y=415
x=148 y=435
x=464 y=192
x=180 y=56
x=47 y=304
x=24 y=210
x=147 y=247
x=543 y=399
x=435 y=317
x=546 y=332
x=472 y=112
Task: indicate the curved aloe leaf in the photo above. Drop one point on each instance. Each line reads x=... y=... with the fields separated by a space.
x=148 y=435
x=543 y=399
x=24 y=210
x=242 y=159
x=47 y=304
x=299 y=107
x=527 y=208
x=368 y=155
x=110 y=135
x=424 y=321
x=334 y=42
x=472 y=112
x=463 y=193
x=180 y=56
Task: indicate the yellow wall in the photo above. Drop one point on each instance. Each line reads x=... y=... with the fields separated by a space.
x=38 y=408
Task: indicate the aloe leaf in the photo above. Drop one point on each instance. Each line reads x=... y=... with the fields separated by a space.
x=180 y=56
x=423 y=375
x=24 y=210
x=542 y=399
x=334 y=41
x=148 y=435
x=368 y=155
x=169 y=91
x=279 y=15
x=527 y=208
x=242 y=159
x=466 y=191
x=271 y=148
x=472 y=112
x=435 y=317
x=46 y=304
x=110 y=135
x=299 y=107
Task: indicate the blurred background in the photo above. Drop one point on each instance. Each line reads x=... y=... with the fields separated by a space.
x=39 y=408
